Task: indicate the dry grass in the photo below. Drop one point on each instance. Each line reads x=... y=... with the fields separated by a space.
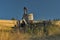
x=17 y=35
x=9 y=35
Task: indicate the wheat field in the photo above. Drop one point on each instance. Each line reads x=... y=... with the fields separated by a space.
x=9 y=35
x=53 y=31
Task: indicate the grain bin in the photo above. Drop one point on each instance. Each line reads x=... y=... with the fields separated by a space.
x=30 y=16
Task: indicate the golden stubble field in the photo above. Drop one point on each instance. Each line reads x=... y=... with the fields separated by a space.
x=9 y=35
x=17 y=35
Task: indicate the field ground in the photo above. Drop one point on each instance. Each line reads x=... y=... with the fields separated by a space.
x=54 y=34
x=48 y=32
x=8 y=35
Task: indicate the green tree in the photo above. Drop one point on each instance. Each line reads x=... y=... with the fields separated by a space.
x=13 y=19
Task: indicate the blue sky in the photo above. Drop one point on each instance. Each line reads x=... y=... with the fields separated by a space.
x=42 y=9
